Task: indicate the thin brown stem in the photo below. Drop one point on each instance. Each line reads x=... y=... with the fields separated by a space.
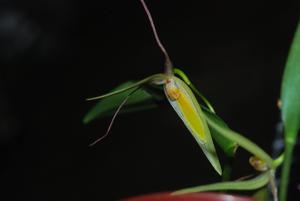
x=168 y=63
x=113 y=119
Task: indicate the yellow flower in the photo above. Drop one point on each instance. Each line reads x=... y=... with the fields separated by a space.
x=186 y=106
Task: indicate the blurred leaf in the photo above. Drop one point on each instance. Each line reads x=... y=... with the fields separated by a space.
x=290 y=90
x=261 y=195
x=108 y=105
x=250 y=184
x=156 y=79
x=290 y=107
x=227 y=145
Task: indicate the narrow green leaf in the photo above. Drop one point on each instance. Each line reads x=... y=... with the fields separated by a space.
x=227 y=145
x=290 y=107
x=250 y=184
x=185 y=78
x=155 y=79
x=108 y=105
x=290 y=91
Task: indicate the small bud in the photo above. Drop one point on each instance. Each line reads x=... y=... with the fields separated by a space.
x=279 y=103
x=171 y=90
x=258 y=164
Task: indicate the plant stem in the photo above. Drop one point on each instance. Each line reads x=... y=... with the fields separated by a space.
x=168 y=63
x=278 y=161
x=250 y=184
x=245 y=143
x=226 y=176
x=273 y=185
x=285 y=173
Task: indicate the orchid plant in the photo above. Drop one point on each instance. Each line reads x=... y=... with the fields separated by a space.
x=202 y=121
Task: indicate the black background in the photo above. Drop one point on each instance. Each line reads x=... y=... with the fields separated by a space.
x=56 y=53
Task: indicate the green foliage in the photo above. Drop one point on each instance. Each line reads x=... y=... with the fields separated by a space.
x=154 y=79
x=290 y=106
x=226 y=138
x=251 y=184
x=227 y=145
x=290 y=90
x=138 y=100
x=243 y=142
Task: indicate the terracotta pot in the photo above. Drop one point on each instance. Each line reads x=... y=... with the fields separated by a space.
x=165 y=196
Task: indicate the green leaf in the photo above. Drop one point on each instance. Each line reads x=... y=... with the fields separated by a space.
x=250 y=184
x=290 y=91
x=290 y=107
x=227 y=145
x=157 y=79
x=108 y=105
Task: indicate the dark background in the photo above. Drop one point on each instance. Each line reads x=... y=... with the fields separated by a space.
x=56 y=53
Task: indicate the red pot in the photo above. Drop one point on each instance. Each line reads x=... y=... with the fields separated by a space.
x=166 y=196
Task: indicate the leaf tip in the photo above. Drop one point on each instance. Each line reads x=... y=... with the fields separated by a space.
x=219 y=171
x=86 y=120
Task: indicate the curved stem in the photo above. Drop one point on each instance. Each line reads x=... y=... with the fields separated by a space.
x=251 y=184
x=168 y=63
x=156 y=78
x=278 y=161
x=113 y=119
x=245 y=143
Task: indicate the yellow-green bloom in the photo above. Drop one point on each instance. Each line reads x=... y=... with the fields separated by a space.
x=186 y=106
